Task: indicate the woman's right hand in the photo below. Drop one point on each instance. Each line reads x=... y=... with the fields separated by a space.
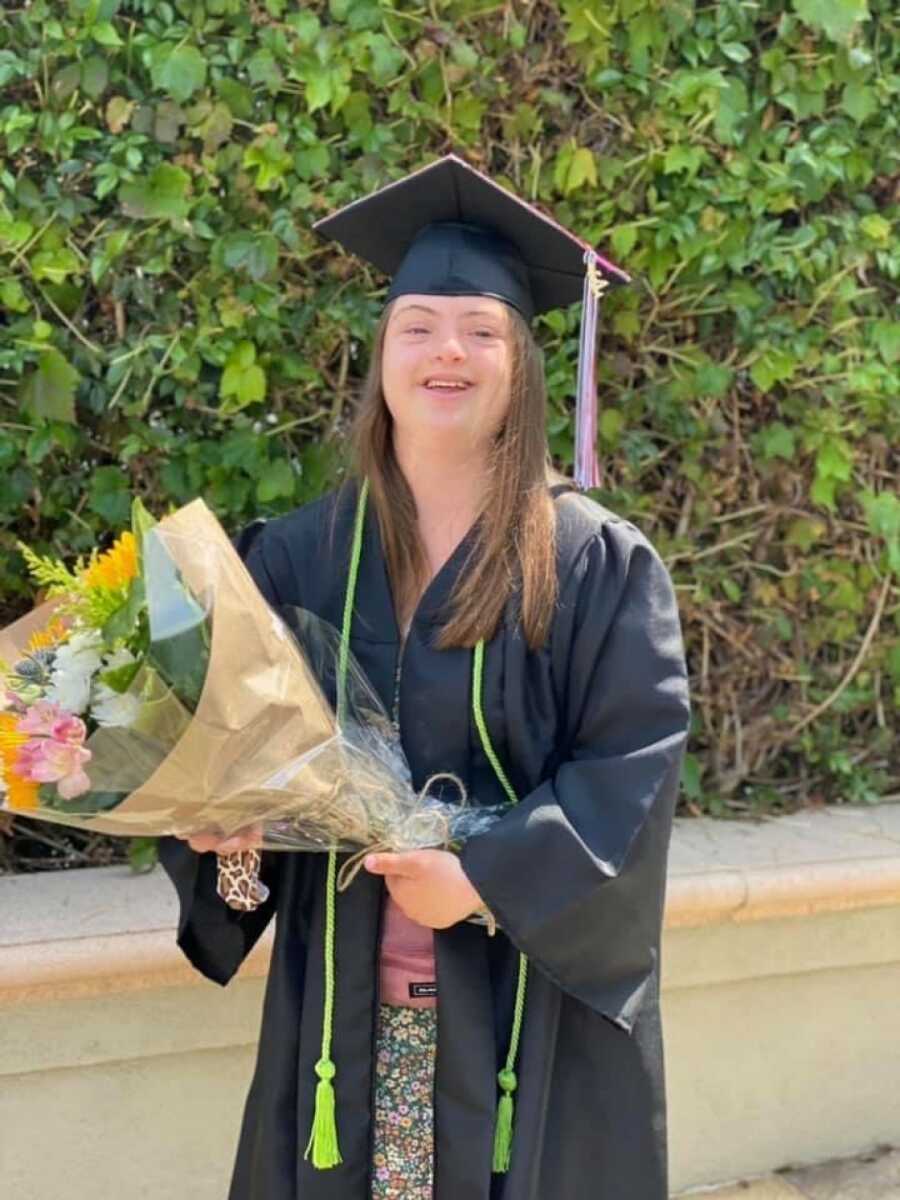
x=248 y=838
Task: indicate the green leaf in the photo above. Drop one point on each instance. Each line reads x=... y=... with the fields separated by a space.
x=143 y=854
x=237 y=96
x=682 y=158
x=736 y=51
x=887 y=339
x=180 y=72
x=94 y=76
x=837 y=19
x=254 y=253
x=56 y=265
x=734 y=105
x=776 y=441
x=876 y=227
x=318 y=88
x=48 y=393
x=387 y=60
x=277 y=480
x=691 y=774
x=835 y=459
x=582 y=170
x=104 y=34
x=883 y=515
x=216 y=127
x=773 y=366
x=713 y=379
x=12 y=296
x=804 y=532
x=623 y=238
x=612 y=421
x=242 y=382
x=65 y=82
x=142 y=520
x=263 y=68
x=859 y=102
x=108 y=495
x=112 y=248
x=357 y=114
x=121 y=624
x=161 y=194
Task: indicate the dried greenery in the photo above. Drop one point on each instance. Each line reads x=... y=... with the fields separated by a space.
x=169 y=325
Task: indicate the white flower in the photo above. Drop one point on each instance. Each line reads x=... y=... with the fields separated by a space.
x=114 y=708
x=109 y=707
x=74 y=666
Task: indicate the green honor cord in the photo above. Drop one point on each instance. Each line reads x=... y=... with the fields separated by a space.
x=506 y=1077
x=323 y=1142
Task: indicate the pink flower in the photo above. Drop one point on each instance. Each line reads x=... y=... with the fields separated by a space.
x=44 y=760
x=57 y=753
x=47 y=719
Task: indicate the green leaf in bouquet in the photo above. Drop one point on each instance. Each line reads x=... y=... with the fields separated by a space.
x=88 y=804
x=141 y=520
x=122 y=623
x=142 y=854
x=179 y=626
x=120 y=679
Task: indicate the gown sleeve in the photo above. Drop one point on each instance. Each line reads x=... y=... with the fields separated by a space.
x=575 y=872
x=215 y=938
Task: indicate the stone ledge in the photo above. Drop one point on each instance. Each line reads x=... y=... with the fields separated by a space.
x=105 y=930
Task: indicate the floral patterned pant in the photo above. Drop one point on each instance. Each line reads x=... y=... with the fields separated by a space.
x=404 y=1088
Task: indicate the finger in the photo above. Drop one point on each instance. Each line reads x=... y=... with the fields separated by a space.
x=392 y=864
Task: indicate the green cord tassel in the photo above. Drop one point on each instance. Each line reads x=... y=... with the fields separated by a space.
x=503 y=1128
x=323 y=1136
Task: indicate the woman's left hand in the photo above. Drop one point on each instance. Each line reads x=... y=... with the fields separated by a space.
x=430 y=886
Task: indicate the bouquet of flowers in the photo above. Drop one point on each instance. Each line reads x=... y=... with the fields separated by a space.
x=156 y=692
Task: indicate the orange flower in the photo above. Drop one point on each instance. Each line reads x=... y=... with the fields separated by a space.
x=51 y=635
x=116 y=567
x=21 y=794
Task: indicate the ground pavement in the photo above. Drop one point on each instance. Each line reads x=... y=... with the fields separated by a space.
x=874 y=1176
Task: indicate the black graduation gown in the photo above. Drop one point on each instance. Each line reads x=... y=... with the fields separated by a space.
x=591 y=731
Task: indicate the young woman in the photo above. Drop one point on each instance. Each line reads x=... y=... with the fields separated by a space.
x=527 y=640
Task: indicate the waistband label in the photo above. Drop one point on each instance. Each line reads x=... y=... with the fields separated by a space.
x=417 y=991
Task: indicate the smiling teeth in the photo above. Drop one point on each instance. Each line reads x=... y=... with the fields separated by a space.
x=450 y=385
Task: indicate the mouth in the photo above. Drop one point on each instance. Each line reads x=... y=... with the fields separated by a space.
x=446 y=385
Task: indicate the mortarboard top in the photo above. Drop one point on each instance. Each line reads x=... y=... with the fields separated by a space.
x=449 y=230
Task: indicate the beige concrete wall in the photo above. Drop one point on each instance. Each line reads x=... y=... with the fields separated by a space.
x=781 y=1002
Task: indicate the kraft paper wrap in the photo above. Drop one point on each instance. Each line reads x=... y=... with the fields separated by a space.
x=261 y=712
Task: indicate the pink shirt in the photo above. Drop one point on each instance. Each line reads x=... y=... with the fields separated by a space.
x=406 y=967
x=406 y=961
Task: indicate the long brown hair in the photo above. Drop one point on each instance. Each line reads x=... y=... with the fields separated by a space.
x=512 y=553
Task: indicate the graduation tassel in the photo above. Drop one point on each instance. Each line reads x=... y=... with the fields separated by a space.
x=503 y=1122
x=323 y=1139
x=504 y=1125
x=587 y=468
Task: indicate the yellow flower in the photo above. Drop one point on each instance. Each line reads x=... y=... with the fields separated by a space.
x=21 y=794
x=51 y=635
x=116 y=567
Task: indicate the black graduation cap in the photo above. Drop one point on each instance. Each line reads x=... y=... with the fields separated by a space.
x=449 y=230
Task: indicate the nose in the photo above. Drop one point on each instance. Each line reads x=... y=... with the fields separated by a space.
x=449 y=348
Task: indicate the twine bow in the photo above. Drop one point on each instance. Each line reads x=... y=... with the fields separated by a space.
x=239 y=885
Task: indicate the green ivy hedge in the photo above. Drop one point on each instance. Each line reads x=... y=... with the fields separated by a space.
x=170 y=326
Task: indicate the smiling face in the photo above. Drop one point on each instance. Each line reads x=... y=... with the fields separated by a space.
x=447 y=367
